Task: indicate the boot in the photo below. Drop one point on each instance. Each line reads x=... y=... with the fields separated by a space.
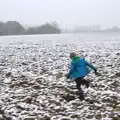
x=81 y=94
x=81 y=97
x=87 y=84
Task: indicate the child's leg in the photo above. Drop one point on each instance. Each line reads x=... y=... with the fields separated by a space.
x=78 y=83
x=80 y=92
x=85 y=82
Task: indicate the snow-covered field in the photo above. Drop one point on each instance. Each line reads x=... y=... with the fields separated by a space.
x=32 y=82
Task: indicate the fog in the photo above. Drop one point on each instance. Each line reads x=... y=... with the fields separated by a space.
x=68 y=13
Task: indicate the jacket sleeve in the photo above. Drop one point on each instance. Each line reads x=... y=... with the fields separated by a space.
x=90 y=65
x=72 y=69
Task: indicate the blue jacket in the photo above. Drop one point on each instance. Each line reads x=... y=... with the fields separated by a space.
x=79 y=68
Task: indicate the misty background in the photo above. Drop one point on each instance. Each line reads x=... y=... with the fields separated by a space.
x=67 y=14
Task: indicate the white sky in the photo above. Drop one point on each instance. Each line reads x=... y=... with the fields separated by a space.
x=68 y=13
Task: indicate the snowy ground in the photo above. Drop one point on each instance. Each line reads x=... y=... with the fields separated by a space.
x=32 y=82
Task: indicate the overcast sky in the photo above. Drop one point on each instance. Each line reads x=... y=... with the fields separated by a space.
x=68 y=13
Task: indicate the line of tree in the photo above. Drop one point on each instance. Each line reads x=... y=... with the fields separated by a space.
x=94 y=28
x=15 y=28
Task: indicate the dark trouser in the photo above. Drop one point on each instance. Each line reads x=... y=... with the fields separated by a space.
x=80 y=81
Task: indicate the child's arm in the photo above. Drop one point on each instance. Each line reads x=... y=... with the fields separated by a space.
x=91 y=66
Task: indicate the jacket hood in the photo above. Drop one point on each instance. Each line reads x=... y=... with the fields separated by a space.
x=76 y=59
